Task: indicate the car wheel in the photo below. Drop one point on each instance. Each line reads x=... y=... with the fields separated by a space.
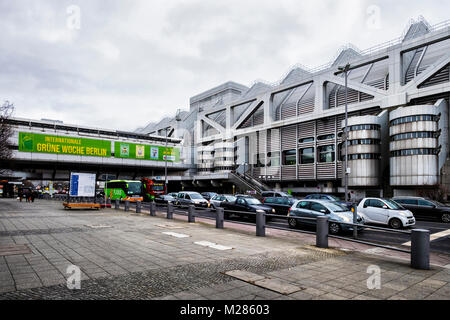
x=395 y=223
x=293 y=223
x=445 y=217
x=334 y=228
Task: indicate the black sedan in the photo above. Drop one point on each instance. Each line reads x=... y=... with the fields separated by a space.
x=425 y=209
x=280 y=204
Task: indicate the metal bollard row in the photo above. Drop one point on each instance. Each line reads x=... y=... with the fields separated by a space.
x=169 y=211
x=219 y=218
x=191 y=212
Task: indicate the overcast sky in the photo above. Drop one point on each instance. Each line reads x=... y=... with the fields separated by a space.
x=126 y=63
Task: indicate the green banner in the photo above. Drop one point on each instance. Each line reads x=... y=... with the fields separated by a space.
x=145 y=152
x=44 y=143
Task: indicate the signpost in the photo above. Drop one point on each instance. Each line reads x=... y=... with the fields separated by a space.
x=82 y=184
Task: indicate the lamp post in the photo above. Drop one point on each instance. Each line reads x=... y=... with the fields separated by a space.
x=165 y=165
x=345 y=70
x=355 y=214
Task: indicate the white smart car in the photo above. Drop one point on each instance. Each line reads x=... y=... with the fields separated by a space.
x=386 y=212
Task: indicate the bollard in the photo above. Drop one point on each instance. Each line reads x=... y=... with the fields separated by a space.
x=169 y=211
x=322 y=232
x=260 y=224
x=153 y=209
x=420 y=249
x=138 y=207
x=219 y=218
x=191 y=212
x=116 y=204
x=127 y=205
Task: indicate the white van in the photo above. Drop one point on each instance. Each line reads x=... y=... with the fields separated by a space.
x=386 y=212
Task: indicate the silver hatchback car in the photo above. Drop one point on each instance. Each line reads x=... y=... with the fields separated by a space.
x=336 y=212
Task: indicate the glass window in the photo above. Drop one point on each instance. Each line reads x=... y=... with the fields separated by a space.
x=230 y=198
x=406 y=201
x=325 y=137
x=289 y=157
x=269 y=200
x=307 y=155
x=273 y=159
x=304 y=140
x=425 y=203
x=317 y=207
x=303 y=205
x=240 y=201
x=253 y=201
x=375 y=203
x=326 y=153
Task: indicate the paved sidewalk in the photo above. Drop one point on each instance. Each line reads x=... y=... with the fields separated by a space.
x=135 y=256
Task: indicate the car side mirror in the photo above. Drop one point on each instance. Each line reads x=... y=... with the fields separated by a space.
x=324 y=211
x=365 y=206
x=385 y=207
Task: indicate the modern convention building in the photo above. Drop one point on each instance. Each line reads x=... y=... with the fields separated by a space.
x=289 y=135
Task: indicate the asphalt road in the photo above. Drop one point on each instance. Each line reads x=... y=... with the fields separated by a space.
x=441 y=244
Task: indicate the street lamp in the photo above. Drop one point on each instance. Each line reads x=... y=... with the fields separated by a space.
x=345 y=70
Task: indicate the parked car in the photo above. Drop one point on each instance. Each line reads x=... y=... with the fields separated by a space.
x=329 y=197
x=164 y=199
x=423 y=208
x=245 y=204
x=219 y=198
x=280 y=204
x=385 y=212
x=266 y=194
x=208 y=195
x=186 y=198
x=336 y=212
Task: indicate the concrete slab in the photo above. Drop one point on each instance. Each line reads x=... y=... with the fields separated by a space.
x=245 y=275
x=277 y=285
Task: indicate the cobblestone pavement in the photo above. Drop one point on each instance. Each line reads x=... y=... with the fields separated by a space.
x=131 y=256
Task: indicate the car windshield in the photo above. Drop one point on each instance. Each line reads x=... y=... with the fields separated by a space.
x=230 y=198
x=195 y=196
x=133 y=187
x=336 y=207
x=334 y=198
x=393 y=205
x=253 y=201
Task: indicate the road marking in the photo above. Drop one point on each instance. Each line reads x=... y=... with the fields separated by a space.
x=212 y=245
x=169 y=226
x=433 y=236
x=177 y=235
x=98 y=226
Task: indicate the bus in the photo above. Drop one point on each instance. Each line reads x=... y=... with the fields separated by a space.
x=124 y=190
x=152 y=188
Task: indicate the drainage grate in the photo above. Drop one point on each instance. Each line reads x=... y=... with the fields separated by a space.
x=14 y=249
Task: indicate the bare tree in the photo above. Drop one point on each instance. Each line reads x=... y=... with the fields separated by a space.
x=6 y=110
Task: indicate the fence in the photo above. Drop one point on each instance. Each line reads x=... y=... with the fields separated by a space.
x=420 y=238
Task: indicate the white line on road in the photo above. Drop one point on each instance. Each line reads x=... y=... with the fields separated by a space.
x=177 y=235
x=434 y=236
x=212 y=245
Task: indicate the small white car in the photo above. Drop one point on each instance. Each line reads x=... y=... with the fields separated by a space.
x=385 y=212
